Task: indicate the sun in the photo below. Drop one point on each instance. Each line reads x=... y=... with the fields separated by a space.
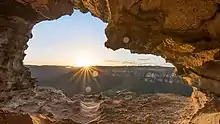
x=84 y=62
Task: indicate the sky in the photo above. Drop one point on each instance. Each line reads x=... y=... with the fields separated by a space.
x=78 y=40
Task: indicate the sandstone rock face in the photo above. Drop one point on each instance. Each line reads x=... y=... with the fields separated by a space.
x=184 y=32
x=181 y=31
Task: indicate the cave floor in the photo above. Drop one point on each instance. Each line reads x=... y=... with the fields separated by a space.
x=48 y=105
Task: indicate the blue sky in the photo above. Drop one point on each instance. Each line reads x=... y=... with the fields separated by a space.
x=74 y=40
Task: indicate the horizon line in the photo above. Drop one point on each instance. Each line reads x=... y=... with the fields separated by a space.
x=98 y=65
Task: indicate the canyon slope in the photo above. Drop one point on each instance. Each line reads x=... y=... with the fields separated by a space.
x=139 y=79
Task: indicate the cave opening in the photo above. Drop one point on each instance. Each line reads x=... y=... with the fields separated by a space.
x=160 y=28
x=61 y=48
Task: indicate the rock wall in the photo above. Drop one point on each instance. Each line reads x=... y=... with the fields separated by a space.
x=14 y=34
x=184 y=32
x=17 y=19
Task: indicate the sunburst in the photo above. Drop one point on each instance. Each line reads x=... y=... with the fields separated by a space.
x=87 y=73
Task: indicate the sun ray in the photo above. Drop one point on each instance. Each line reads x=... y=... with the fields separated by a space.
x=92 y=70
x=78 y=75
x=78 y=72
x=89 y=74
x=85 y=75
x=97 y=83
x=78 y=79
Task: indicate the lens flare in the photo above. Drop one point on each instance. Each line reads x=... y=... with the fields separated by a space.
x=88 y=89
x=95 y=73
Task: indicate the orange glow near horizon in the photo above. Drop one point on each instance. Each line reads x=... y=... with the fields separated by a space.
x=85 y=58
x=84 y=62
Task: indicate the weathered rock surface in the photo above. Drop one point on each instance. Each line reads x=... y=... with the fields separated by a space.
x=184 y=32
x=50 y=106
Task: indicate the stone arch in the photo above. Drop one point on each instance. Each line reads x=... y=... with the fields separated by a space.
x=185 y=33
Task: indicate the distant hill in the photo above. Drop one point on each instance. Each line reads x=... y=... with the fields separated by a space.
x=47 y=71
x=71 y=85
x=70 y=81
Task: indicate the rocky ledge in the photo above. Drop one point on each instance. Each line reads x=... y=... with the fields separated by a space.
x=184 y=32
x=50 y=106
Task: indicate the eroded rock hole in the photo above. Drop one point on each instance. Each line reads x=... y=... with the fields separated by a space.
x=68 y=55
x=185 y=33
x=58 y=51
